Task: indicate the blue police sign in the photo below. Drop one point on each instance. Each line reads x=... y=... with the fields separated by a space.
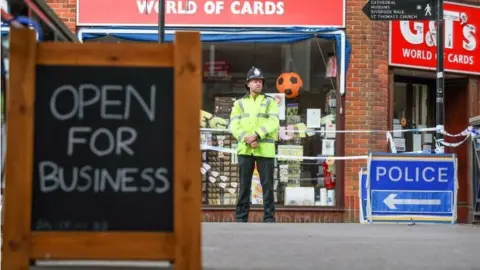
x=362 y=183
x=407 y=202
x=404 y=187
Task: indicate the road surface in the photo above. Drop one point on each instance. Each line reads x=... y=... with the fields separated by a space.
x=257 y=246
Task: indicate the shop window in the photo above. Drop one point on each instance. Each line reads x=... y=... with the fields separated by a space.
x=298 y=182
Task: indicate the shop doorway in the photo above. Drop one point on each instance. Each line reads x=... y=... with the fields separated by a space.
x=413 y=108
x=414 y=102
x=456 y=120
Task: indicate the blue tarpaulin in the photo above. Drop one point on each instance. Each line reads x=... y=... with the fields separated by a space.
x=5 y=28
x=5 y=31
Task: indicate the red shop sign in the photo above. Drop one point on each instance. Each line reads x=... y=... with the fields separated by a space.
x=213 y=13
x=413 y=43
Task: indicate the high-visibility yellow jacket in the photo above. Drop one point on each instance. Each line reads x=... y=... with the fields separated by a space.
x=259 y=116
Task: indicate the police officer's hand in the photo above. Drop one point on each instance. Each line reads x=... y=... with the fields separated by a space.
x=254 y=144
x=250 y=138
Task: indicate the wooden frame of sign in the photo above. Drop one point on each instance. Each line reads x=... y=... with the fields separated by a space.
x=176 y=239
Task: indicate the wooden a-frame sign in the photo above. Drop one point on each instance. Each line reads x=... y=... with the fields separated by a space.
x=103 y=152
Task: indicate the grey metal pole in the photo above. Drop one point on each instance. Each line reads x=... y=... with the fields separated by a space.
x=440 y=105
x=161 y=21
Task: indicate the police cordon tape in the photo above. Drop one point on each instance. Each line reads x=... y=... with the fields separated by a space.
x=440 y=129
x=204 y=147
x=329 y=131
x=469 y=131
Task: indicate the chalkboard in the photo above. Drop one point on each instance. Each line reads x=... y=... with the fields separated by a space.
x=103 y=146
x=103 y=149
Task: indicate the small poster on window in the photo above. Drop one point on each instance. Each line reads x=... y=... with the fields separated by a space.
x=332 y=67
x=328 y=147
x=330 y=131
x=314 y=117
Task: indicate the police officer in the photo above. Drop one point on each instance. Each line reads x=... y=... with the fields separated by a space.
x=254 y=122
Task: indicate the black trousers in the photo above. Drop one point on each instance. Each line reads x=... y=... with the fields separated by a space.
x=265 y=168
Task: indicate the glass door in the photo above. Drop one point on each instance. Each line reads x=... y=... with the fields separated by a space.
x=414 y=108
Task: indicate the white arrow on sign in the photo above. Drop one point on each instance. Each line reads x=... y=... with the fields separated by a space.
x=390 y=201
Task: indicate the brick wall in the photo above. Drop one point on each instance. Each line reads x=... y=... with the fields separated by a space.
x=366 y=100
x=281 y=216
x=66 y=10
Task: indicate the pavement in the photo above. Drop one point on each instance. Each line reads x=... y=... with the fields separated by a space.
x=258 y=246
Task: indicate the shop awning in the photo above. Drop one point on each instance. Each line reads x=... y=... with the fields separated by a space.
x=247 y=35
